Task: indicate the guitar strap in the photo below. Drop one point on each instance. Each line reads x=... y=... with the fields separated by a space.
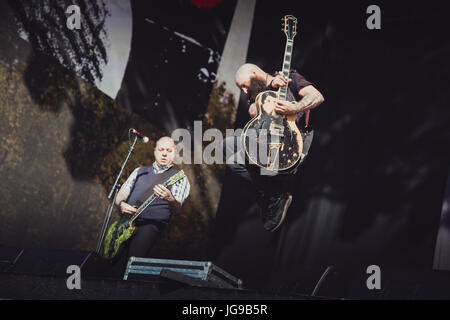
x=307 y=118
x=160 y=178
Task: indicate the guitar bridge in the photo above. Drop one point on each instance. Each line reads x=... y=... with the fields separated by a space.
x=276 y=129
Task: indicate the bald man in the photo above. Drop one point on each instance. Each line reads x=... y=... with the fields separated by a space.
x=152 y=221
x=302 y=95
x=273 y=195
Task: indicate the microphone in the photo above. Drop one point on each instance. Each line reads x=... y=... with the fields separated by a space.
x=140 y=135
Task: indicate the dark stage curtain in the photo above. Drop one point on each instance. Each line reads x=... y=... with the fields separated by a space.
x=371 y=190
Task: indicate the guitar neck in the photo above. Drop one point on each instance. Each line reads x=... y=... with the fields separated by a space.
x=282 y=91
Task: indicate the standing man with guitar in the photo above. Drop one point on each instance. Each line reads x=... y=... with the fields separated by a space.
x=142 y=183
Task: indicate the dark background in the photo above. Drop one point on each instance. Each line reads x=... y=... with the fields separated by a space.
x=372 y=187
x=163 y=82
x=370 y=191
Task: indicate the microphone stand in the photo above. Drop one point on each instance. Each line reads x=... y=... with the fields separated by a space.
x=112 y=196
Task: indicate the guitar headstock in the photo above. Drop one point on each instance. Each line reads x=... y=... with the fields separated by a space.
x=176 y=177
x=289 y=24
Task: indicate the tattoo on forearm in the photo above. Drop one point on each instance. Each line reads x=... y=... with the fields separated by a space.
x=307 y=102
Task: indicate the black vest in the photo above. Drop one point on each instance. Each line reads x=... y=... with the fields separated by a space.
x=158 y=210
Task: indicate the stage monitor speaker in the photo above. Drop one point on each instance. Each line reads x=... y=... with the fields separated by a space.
x=55 y=262
x=349 y=282
x=329 y=272
x=8 y=257
x=48 y=262
x=191 y=281
x=189 y=272
x=396 y=283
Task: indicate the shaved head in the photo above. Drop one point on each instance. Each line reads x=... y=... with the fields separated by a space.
x=165 y=139
x=246 y=72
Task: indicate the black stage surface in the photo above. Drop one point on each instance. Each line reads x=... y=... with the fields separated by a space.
x=42 y=274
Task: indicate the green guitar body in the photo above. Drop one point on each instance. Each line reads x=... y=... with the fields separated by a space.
x=118 y=233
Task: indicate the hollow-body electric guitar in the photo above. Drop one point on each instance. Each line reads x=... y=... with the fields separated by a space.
x=123 y=229
x=272 y=141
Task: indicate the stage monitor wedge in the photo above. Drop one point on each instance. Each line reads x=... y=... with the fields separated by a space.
x=196 y=270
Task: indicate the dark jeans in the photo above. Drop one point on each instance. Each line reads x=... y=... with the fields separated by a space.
x=144 y=238
x=267 y=185
x=140 y=244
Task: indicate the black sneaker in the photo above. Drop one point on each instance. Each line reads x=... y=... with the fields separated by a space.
x=274 y=214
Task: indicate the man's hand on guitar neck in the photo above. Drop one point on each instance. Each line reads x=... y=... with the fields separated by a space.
x=283 y=107
x=311 y=98
x=165 y=194
x=278 y=81
x=126 y=208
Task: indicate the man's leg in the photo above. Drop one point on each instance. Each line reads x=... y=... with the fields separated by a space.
x=235 y=157
x=272 y=196
x=143 y=240
x=271 y=190
x=139 y=245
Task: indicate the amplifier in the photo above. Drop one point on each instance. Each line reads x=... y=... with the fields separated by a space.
x=195 y=270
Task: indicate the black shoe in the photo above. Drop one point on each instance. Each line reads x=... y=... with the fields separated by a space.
x=275 y=212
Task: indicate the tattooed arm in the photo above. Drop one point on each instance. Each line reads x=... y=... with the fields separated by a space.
x=311 y=98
